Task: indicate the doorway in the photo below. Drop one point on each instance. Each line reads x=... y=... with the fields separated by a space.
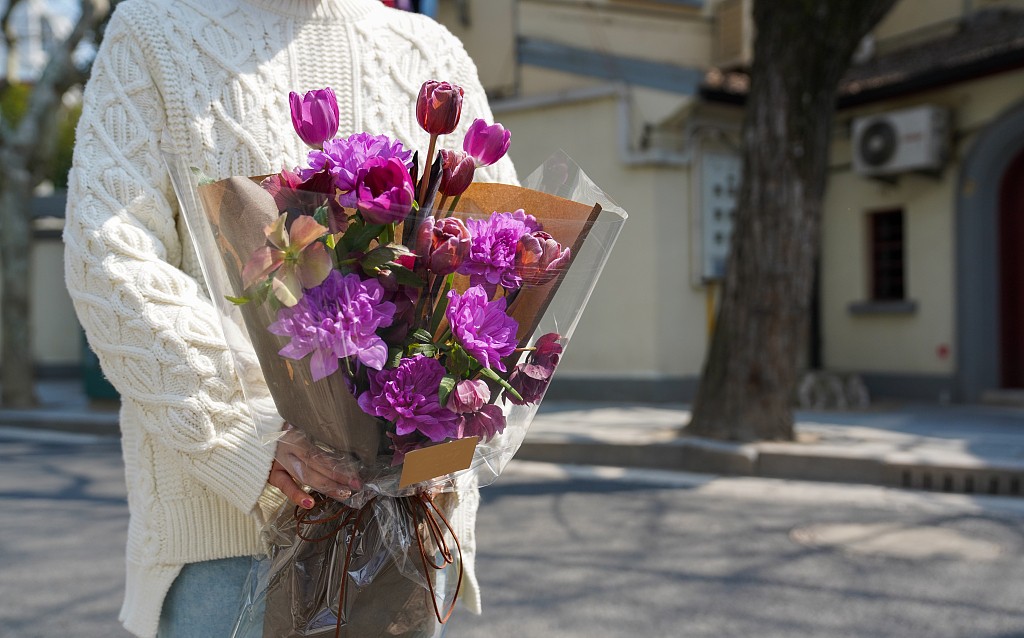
x=1011 y=274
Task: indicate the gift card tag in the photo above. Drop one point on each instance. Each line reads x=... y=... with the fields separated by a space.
x=437 y=460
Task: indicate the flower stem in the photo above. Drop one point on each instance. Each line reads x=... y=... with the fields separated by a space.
x=455 y=202
x=425 y=177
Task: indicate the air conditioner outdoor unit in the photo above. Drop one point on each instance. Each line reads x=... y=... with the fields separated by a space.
x=915 y=139
x=732 y=42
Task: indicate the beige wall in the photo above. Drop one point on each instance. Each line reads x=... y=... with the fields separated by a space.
x=56 y=334
x=55 y=331
x=681 y=38
x=905 y=343
x=644 y=320
x=489 y=39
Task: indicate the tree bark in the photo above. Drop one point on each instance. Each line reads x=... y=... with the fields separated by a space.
x=802 y=49
x=24 y=150
x=16 y=378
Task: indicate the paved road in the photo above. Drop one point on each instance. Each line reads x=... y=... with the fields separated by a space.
x=586 y=553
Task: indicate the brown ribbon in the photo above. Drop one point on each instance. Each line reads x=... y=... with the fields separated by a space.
x=420 y=509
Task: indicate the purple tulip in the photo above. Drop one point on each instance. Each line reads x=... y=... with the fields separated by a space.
x=457 y=170
x=384 y=190
x=439 y=107
x=539 y=258
x=468 y=396
x=443 y=244
x=314 y=115
x=487 y=144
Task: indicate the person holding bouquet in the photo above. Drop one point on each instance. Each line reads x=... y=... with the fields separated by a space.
x=211 y=81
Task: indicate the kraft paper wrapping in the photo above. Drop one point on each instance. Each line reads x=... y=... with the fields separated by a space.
x=391 y=604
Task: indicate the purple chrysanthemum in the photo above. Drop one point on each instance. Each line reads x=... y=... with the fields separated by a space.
x=343 y=157
x=407 y=396
x=492 y=255
x=337 y=319
x=481 y=327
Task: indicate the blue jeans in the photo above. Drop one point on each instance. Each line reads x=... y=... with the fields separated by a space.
x=205 y=599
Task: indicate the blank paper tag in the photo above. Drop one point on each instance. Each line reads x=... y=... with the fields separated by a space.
x=438 y=460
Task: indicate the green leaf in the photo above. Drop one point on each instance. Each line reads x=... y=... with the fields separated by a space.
x=493 y=376
x=406 y=277
x=238 y=301
x=459 y=362
x=422 y=336
x=442 y=306
x=447 y=385
x=331 y=241
x=384 y=255
x=426 y=349
x=200 y=176
x=358 y=236
x=320 y=215
x=261 y=292
x=394 y=357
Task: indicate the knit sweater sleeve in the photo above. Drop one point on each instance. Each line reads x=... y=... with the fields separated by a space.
x=155 y=331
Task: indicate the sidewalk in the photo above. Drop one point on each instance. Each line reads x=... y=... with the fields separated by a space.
x=966 y=449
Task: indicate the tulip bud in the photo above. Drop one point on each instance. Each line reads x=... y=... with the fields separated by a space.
x=487 y=144
x=457 y=170
x=468 y=396
x=539 y=258
x=439 y=107
x=443 y=244
x=314 y=115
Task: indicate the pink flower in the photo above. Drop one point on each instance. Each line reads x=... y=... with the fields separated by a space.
x=443 y=244
x=468 y=396
x=439 y=107
x=539 y=258
x=314 y=115
x=295 y=258
x=457 y=170
x=487 y=144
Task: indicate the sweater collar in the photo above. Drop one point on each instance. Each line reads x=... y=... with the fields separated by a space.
x=320 y=9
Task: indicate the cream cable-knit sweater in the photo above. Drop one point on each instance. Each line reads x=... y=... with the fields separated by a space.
x=211 y=79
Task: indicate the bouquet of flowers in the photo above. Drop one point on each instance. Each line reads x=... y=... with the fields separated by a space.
x=408 y=321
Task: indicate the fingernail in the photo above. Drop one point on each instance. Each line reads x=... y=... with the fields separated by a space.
x=307 y=503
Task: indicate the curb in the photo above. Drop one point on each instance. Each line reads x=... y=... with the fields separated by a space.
x=82 y=422
x=692 y=454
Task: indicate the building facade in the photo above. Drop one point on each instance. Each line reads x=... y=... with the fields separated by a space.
x=920 y=262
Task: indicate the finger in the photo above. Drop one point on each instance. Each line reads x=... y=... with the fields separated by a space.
x=334 y=470
x=282 y=480
x=327 y=485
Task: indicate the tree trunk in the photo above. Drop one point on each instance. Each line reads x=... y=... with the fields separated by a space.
x=802 y=49
x=16 y=369
x=25 y=149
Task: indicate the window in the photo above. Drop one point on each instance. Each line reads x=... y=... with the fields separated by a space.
x=886 y=259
